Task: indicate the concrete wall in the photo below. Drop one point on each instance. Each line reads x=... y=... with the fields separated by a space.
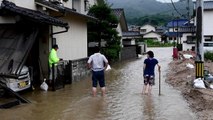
x=128 y=53
x=72 y=44
x=153 y=35
x=79 y=69
x=207 y=19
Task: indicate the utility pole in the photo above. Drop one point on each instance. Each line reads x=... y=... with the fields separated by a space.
x=199 y=41
x=188 y=11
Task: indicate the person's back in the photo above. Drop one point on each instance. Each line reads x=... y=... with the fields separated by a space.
x=97 y=62
x=150 y=66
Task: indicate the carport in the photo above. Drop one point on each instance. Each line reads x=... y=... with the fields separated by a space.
x=21 y=42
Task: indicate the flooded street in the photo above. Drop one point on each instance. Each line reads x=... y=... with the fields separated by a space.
x=122 y=102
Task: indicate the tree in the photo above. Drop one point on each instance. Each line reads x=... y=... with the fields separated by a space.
x=104 y=29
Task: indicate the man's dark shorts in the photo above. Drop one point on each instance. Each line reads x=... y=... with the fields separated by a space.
x=98 y=77
x=149 y=79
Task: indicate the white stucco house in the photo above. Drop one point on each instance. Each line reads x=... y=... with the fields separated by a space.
x=147 y=28
x=122 y=24
x=180 y=31
x=58 y=22
x=152 y=35
x=207 y=24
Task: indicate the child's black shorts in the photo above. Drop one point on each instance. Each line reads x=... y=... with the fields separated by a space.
x=149 y=79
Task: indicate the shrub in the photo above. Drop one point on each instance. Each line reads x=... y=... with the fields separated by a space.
x=153 y=43
x=208 y=55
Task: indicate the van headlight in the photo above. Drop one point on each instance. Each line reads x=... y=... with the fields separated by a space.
x=10 y=80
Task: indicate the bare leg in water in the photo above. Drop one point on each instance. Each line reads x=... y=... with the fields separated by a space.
x=94 y=91
x=150 y=90
x=103 y=90
x=145 y=89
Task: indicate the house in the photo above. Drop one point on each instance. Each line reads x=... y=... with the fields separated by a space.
x=122 y=24
x=146 y=28
x=130 y=37
x=160 y=30
x=134 y=28
x=152 y=35
x=180 y=31
x=57 y=22
x=207 y=20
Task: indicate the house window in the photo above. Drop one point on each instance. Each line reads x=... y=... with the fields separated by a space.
x=170 y=38
x=209 y=38
x=175 y=38
x=143 y=30
x=86 y=5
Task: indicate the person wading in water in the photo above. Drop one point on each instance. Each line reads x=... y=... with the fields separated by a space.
x=149 y=72
x=98 y=63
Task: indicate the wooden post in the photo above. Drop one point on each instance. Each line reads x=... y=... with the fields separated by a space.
x=159 y=82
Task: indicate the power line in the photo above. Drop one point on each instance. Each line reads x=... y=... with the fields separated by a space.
x=176 y=9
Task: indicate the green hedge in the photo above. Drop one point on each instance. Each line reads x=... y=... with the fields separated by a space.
x=208 y=55
x=153 y=43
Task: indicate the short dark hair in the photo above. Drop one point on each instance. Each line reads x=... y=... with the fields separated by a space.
x=151 y=54
x=96 y=49
x=55 y=46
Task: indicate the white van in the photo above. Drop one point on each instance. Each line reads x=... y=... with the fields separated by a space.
x=22 y=83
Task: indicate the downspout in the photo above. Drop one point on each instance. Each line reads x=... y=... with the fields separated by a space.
x=67 y=28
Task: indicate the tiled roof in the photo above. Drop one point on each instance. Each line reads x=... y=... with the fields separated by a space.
x=173 y=34
x=62 y=9
x=130 y=34
x=33 y=15
x=175 y=23
x=118 y=12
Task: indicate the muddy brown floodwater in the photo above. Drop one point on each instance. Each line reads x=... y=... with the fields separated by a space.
x=122 y=102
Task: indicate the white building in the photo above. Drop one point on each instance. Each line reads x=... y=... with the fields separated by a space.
x=207 y=24
x=152 y=35
x=62 y=23
x=147 y=28
x=122 y=24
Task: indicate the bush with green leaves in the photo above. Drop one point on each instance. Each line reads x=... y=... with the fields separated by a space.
x=155 y=43
x=104 y=29
x=208 y=55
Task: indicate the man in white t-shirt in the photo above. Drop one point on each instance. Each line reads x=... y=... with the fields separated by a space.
x=98 y=63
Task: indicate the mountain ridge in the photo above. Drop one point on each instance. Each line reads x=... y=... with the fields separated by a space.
x=140 y=8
